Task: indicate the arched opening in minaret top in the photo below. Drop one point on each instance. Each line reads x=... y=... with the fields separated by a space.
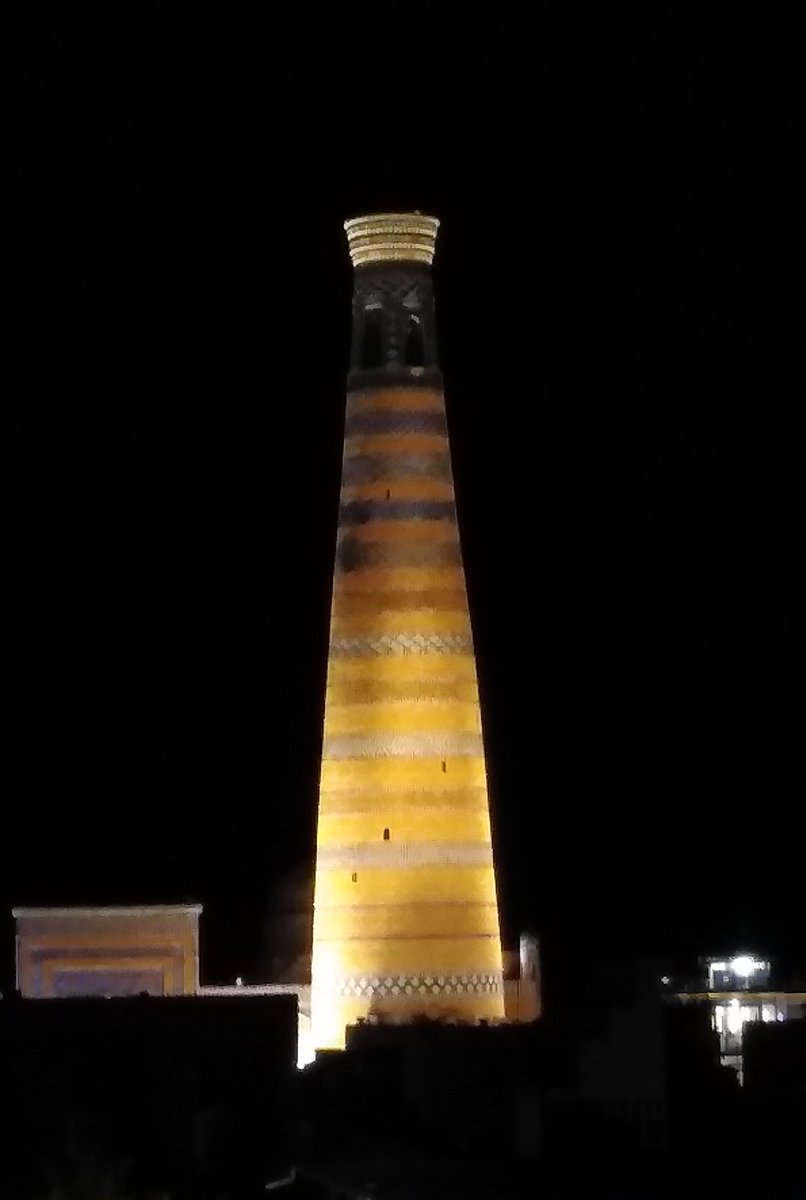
x=415 y=346
x=372 y=344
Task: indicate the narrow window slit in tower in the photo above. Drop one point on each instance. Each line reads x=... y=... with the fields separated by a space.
x=415 y=348
x=386 y=835
x=388 y=494
x=355 y=877
x=372 y=347
x=444 y=767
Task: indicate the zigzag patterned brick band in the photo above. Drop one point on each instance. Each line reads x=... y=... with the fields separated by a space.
x=419 y=985
x=402 y=643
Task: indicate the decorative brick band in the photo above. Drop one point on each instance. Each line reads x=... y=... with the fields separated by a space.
x=390 y=744
x=375 y=397
x=392 y=420
x=361 y=512
x=391 y=237
x=372 y=468
x=418 y=985
x=392 y=799
x=353 y=554
x=401 y=600
x=351 y=855
x=402 y=643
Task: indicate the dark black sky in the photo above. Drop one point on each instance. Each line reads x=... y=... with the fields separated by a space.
x=621 y=301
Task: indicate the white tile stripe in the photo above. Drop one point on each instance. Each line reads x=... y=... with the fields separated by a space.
x=350 y=856
x=413 y=795
x=425 y=744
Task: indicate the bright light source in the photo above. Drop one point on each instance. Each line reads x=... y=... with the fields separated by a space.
x=327 y=1015
x=306 y=1052
x=744 y=965
x=665 y=979
x=734 y=1016
x=238 y=981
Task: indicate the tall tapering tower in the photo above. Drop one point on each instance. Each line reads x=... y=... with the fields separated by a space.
x=405 y=908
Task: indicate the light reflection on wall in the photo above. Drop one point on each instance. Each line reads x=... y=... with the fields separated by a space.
x=729 y=1019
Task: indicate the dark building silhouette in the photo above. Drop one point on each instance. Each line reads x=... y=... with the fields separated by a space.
x=146 y=1096
x=774 y=1092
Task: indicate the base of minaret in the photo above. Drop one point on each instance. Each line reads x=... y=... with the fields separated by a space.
x=457 y=999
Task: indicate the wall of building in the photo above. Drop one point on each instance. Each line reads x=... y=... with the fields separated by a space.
x=63 y=952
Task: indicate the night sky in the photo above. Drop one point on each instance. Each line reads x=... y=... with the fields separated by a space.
x=620 y=295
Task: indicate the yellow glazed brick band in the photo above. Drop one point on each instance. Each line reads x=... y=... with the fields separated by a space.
x=408 y=773
x=441 y=824
x=451 y=715
x=391 y=398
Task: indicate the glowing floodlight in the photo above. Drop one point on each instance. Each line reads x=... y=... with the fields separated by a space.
x=745 y=965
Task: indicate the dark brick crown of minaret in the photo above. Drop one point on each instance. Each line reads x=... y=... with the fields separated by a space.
x=394 y=337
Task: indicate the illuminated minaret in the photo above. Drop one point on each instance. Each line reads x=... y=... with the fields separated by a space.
x=405 y=909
